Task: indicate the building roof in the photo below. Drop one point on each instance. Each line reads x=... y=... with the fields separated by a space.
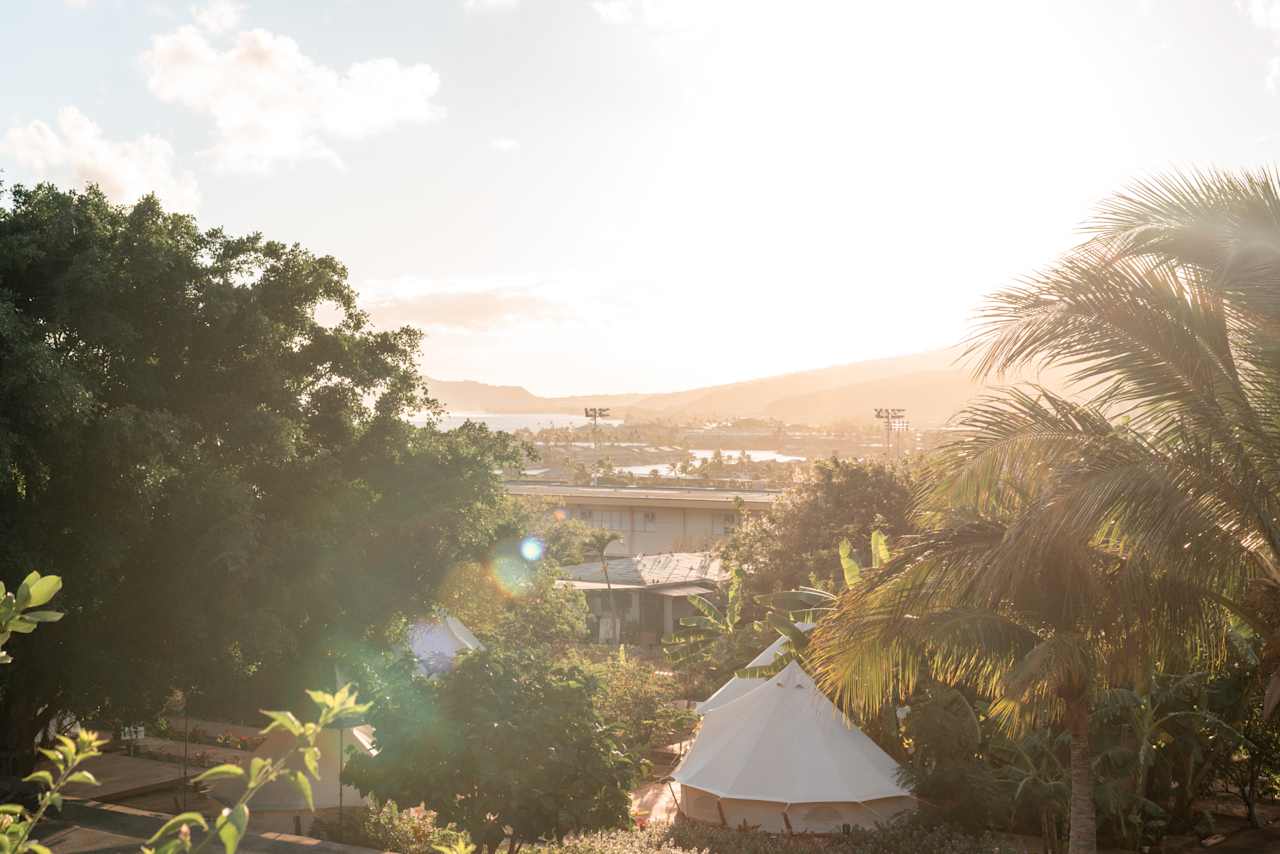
x=634 y=496
x=648 y=571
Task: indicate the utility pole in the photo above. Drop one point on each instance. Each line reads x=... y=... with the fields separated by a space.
x=895 y=421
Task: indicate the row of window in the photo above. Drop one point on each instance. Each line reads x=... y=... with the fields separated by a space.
x=722 y=524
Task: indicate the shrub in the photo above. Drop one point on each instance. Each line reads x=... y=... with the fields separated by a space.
x=506 y=744
x=386 y=827
x=635 y=700
x=907 y=836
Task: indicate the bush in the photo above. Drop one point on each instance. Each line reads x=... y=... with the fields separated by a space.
x=506 y=744
x=386 y=827
x=908 y=836
x=635 y=701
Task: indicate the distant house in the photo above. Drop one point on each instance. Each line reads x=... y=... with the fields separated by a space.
x=653 y=520
x=651 y=592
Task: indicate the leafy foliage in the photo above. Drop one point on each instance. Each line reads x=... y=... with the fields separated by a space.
x=180 y=428
x=797 y=541
x=685 y=837
x=508 y=739
x=386 y=827
x=635 y=700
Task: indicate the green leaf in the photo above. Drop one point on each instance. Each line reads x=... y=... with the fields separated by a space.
x=303 y=785
x=43 y=616
x=12 y=809
x=799 y=638
x=311 y=757
x=219 y=772
x=879 y=549
x=83 y=777
x=22 y=626
x=41 y=591
x=231 y=827
x=283 y=720
x=175 y=823
x=38 y=848
x=39 y=777
x=852 y=571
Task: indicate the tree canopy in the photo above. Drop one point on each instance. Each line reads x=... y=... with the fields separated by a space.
x=507 y=739
x=798 y=539
x=224 y=480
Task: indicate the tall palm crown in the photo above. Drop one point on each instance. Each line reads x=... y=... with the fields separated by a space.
x=1071 y=545
x=1170 y=318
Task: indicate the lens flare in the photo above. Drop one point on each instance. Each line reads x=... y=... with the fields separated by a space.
x=531 y=549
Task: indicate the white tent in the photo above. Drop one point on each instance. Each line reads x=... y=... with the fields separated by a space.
x=435 y=645
x=738 y=686
x=782 y=757
x=281 y=796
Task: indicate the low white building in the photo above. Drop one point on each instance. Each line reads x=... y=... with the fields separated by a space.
x=651 y=592
x=653 y=520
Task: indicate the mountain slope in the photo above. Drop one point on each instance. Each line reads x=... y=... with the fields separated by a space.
x=930 y=386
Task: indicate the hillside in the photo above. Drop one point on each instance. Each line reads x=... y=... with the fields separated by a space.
x=930 y=386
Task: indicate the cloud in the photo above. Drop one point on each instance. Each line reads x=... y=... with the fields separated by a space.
x=614 y=11
x=503 y=143
x=489 y=5
x=1265 y=15
x=271 y=103
x=219 y=16
x=674 y=17
x=413 y=302
x=78 y=152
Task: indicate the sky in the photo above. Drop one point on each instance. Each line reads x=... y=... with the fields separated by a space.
x=589 y=196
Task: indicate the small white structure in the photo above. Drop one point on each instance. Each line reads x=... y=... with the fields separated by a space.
x=783 y=758
x=436 y=645
x=739 y=686
x=278 y=805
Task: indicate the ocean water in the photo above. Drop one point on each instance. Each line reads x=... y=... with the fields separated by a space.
x=513 y=421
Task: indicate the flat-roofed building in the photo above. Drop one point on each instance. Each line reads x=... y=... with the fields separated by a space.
x=651 y=592
x=653 y=520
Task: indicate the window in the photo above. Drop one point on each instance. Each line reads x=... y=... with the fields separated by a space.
x=611 y=520
x=722 y=524
x=647 y=520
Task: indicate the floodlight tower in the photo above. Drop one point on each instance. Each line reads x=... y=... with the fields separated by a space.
x=595 y=413
x=895 y=420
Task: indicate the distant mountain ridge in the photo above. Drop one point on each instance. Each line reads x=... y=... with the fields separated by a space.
x=931 y=386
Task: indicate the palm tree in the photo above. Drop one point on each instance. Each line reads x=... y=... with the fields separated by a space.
x=1169 y=318
x=598 y=541
x=996 y=595
x=793 y=614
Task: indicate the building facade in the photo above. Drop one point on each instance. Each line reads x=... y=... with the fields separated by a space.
x=652 y=520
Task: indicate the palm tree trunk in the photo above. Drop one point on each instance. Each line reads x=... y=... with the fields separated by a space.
x=1084 y=819
x=613 y=606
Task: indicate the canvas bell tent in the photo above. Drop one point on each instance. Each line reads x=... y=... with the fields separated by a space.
x=436 y=644
x=784 y=758
x=279 y=806
x=739 y=686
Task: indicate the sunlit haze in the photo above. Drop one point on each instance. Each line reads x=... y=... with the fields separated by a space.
x=627 y=195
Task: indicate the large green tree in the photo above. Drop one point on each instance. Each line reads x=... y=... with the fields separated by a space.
x=797 y=541
x=224 y=480
x=507 y=744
